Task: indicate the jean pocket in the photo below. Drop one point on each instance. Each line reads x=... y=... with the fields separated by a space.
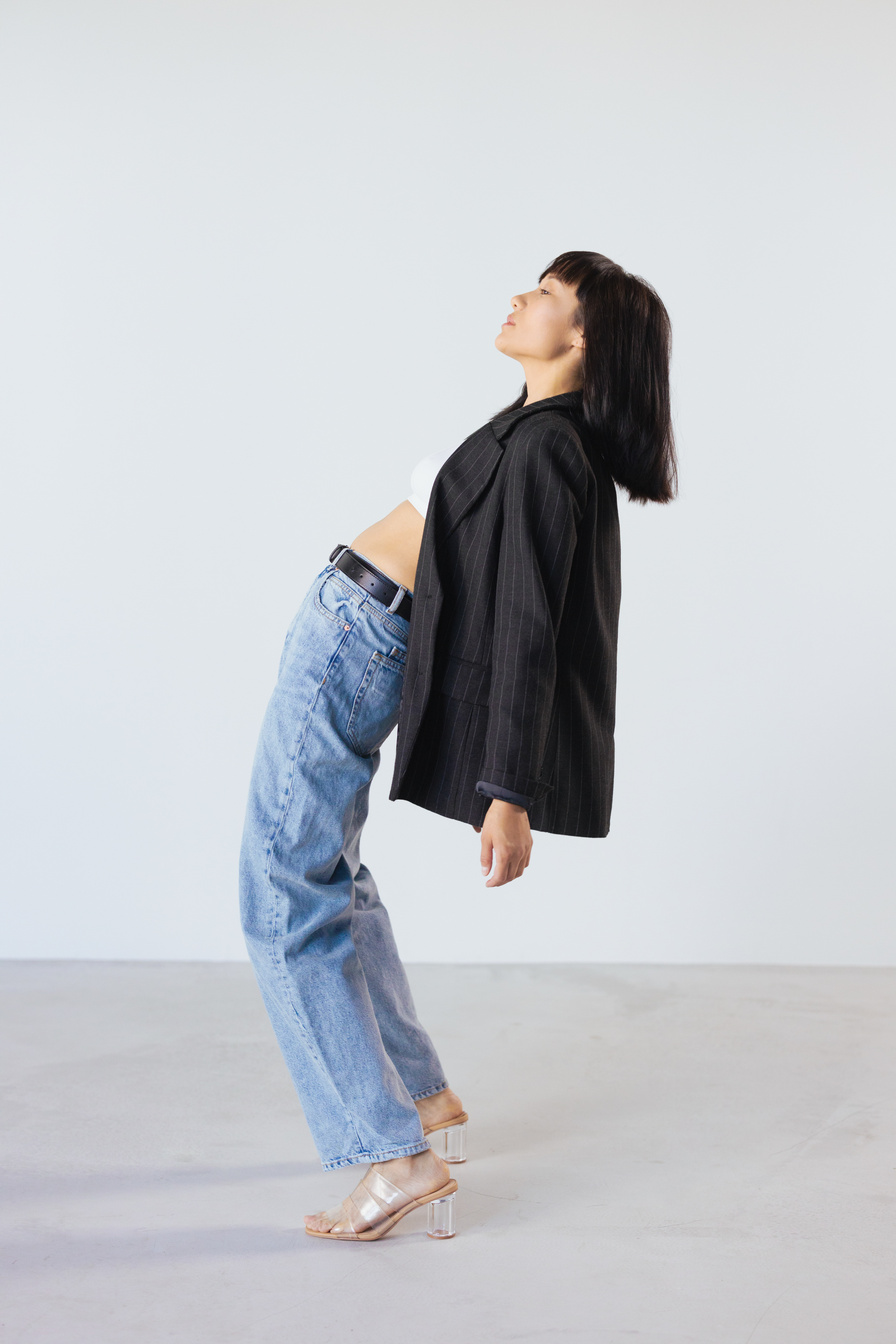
x=334 y=600
x=374 y=711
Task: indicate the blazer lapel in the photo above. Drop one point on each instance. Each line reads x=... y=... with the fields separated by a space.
x=467 y=473
x=471 y=468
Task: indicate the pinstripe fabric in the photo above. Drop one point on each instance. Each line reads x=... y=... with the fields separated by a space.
x=510 y=678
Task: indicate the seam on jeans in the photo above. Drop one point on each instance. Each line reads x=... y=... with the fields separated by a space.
x=273 y=931
x=293 y=757
x=401 y=632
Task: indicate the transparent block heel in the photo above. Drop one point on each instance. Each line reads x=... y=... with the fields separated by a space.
x=450 y=1144
x=440 y=1217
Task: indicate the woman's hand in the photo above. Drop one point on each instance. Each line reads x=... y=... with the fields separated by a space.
x=506 y=837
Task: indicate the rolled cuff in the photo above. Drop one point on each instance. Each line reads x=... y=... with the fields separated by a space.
x=503 y=795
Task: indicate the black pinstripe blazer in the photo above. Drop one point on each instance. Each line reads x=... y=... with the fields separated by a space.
x=510 y=680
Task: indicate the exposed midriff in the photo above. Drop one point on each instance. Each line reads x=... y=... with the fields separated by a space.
x=393 y=543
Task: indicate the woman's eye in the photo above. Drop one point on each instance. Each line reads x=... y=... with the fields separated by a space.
x=545 y=291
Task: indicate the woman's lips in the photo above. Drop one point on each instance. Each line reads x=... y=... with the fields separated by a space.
x=508 y=323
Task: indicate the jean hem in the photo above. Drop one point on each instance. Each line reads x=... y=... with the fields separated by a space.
x=429 y=1091
x=386 y=1155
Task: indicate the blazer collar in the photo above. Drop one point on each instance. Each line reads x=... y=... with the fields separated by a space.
x=564 y=401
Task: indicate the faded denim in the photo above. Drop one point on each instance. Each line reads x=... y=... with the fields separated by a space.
x=318 y=935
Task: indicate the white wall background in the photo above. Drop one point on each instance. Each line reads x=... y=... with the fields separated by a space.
x=236 y=236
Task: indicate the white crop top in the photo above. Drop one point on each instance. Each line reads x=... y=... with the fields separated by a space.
x=422 y=477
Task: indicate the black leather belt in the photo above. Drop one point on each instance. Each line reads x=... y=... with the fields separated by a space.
x=378 y=584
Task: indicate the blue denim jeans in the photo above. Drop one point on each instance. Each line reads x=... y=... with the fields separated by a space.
x=318 y=935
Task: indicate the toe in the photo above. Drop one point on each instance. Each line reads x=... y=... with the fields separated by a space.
x=325 y=1221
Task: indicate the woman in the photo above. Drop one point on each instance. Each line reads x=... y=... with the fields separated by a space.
x=480 y=617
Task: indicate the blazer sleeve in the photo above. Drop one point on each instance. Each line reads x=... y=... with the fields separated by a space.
x=544 y=497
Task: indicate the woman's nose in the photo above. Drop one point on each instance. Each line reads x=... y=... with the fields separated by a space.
x=516 y=301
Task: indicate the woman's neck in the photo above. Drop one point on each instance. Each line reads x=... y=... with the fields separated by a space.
x=549 y=381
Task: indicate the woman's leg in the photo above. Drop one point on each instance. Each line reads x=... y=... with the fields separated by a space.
x=336 y=699
x=406 y=1041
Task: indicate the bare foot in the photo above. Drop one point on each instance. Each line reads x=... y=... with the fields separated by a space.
x=444 y=1105
x=417 y=1175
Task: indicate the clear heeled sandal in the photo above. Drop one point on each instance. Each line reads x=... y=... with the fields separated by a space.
x=450 y=1142
x=376 y=1205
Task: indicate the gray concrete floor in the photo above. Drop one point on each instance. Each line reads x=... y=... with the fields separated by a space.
x=657 y=1154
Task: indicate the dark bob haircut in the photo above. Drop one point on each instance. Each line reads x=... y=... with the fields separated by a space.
x=625 y=396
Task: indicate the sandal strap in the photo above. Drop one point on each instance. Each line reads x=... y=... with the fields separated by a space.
x=355 y=1215
x=372 y=1204
x=352 y=1220
x=446 y=1124
x=388 y=1196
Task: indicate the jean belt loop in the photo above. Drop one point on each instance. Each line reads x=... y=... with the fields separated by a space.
x=340 y=555
x=397 y=599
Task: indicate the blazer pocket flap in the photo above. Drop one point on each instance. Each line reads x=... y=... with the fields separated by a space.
x=463 y=680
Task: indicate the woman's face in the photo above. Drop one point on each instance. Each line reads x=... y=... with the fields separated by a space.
x=540 y=326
